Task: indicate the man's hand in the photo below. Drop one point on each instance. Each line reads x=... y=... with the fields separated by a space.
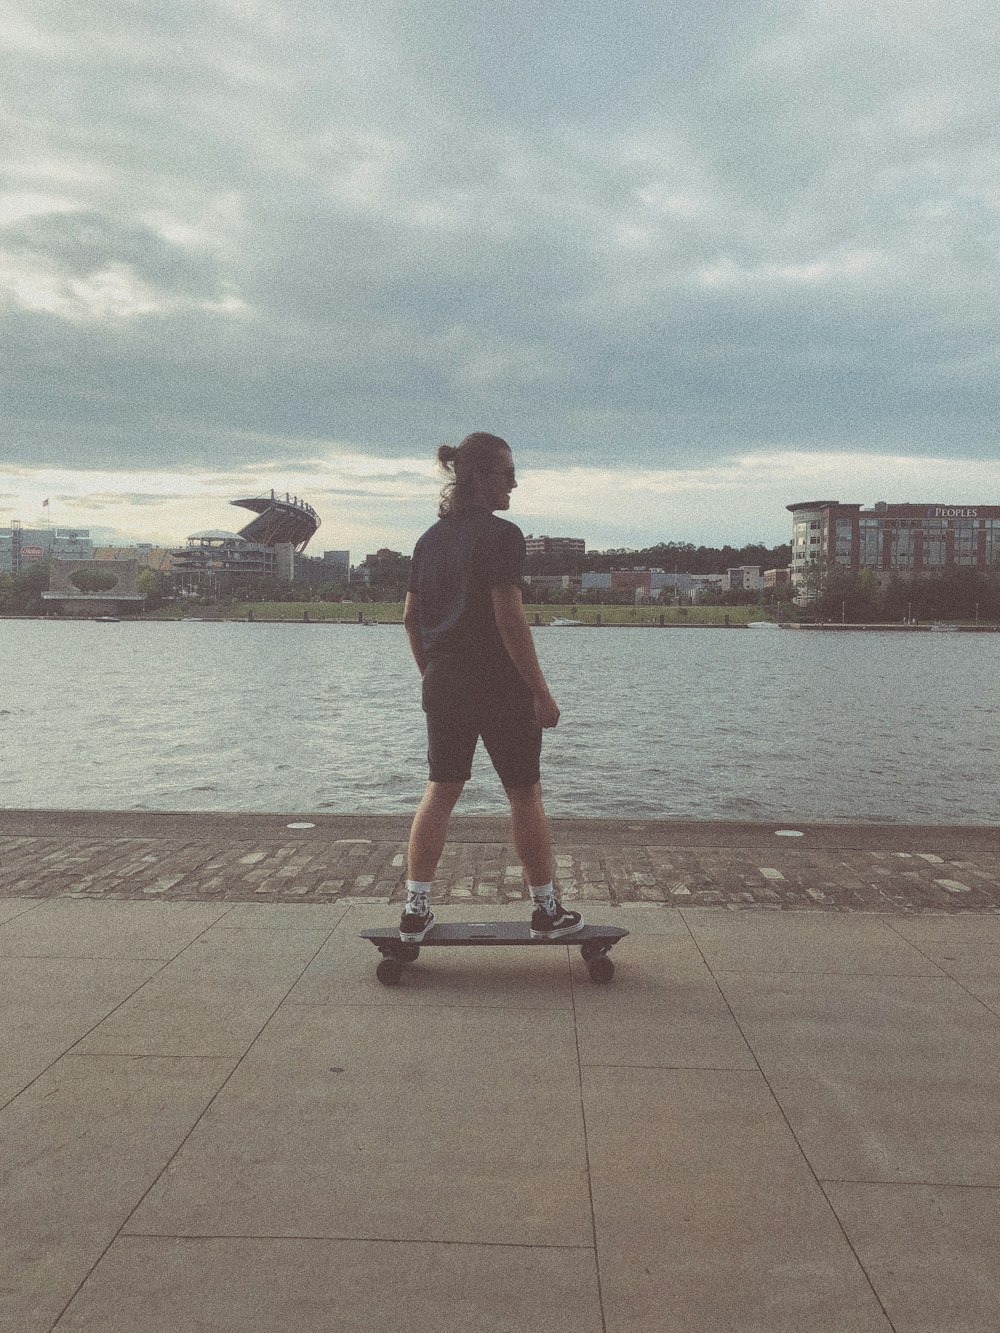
x=516 y=635
x=546 y=711
x=411 y=623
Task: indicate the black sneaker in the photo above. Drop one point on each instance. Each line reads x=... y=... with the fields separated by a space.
x=549 y=927
x=413 y=926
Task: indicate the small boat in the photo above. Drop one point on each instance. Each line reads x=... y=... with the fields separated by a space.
x=560 y=622
x=945 y=629
x=761 y=624
x=108 y=620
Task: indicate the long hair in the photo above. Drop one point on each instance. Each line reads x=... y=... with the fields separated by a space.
x=465 y=465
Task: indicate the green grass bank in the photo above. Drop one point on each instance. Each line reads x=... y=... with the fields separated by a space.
x=392 y=613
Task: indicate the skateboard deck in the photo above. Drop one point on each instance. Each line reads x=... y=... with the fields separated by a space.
x=593 y=942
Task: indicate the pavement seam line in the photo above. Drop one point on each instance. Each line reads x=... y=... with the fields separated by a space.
x=89 y=957
x=586 y=1144
x=198 y=1119
x=31 y=905
x=702 y=1069
x=104 y=1017
x=972 y=995
x=911 y=1184
x=851 y=976
x=361 y=1240
x=385 y=1004
x=798 y=1145
x=133 y=1055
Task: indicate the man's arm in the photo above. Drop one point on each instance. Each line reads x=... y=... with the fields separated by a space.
x=411 y=622
x=516 y=635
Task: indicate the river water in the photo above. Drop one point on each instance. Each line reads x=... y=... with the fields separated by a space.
x=687 y=723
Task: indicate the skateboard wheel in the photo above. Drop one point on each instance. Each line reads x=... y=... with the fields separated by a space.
x=407 y=953
x=389 y=971
x=601 y=970
x=592 y=949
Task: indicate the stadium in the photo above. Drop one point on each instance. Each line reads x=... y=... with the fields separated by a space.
x=266 y=546
x=279 y=521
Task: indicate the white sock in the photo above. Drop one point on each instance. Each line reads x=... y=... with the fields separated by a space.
x=544 y=896
x=418 y=896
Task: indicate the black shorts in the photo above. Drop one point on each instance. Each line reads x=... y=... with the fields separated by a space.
x=460 y=708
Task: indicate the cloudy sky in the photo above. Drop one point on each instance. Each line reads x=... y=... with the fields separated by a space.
x=694 y=260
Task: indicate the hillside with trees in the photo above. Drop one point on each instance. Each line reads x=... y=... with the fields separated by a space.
x=672 y=557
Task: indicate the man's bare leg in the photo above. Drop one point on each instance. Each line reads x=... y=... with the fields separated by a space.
x=533 y=841
x=530 y=827
x=430 y=828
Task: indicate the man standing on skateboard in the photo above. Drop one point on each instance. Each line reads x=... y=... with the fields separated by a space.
x=473 y=646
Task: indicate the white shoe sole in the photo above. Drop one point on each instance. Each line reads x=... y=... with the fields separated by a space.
x=415 y=936
x=558 y=932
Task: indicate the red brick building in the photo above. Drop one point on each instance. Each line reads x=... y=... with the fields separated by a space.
x=906 y=539
x=631 y=580
x=774 y=577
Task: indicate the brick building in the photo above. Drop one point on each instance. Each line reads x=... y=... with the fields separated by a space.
x=908 y=540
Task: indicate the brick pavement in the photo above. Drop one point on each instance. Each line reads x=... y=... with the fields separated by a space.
x=257 y=858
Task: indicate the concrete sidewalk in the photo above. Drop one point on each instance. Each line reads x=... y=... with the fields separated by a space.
x=214 y=1118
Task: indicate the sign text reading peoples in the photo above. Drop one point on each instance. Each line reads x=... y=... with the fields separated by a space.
x=959 y=513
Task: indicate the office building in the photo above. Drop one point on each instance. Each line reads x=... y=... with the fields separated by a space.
x=774 y=578
x=743 y=578
x=906 y=540
x=338 y=566
x=555 y=545
x=596 y=579
x=553 y=582
x=648 y=582
x=679 y=582
x=706 y=583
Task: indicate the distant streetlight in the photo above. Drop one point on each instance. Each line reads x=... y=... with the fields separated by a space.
x=843 y=612
x=909 y=613
x=977 y=613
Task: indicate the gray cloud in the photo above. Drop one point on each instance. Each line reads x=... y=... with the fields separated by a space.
x=118 y=499
x=643 y=234
x=87 y=242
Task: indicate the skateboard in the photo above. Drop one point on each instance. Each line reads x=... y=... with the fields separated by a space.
x=594 y=942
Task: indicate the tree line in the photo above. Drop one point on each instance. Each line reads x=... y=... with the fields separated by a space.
x=854 y=596
x=857 y=597
x=672 y=557
x=21 y=593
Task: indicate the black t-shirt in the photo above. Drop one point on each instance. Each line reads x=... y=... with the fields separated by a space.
x=455 y=564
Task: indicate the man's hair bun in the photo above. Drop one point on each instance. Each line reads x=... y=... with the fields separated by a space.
x=465 y=465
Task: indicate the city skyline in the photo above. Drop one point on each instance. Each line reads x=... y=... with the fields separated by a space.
x=369 y=504
x=693 y=263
